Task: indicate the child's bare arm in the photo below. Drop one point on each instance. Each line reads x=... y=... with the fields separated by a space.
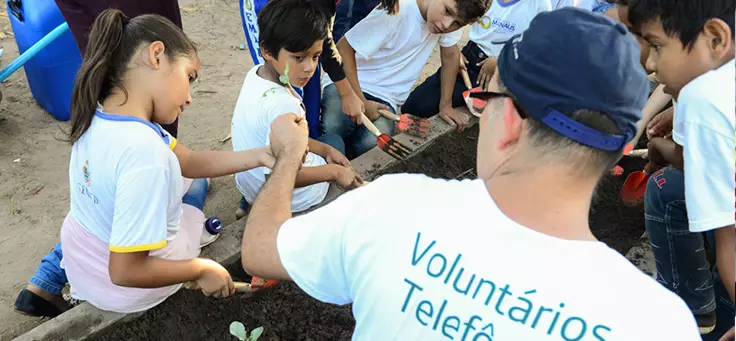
x=350 y=66
x=725 y=241
x=666 y=152
x=450 y=57
x=139 y=270
x=210 y=164
x=308 y=176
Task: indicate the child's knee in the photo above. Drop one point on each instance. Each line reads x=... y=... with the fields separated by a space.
x=664 y=187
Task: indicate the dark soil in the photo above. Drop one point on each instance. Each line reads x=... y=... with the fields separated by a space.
x=287 y=313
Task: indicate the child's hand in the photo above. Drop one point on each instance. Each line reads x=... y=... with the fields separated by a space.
x=371 y=109
x=454 y=118
x=214 y=279
x=660 y=125
x=729 y=336
x=353 y=107
x=335 y=157
x=656 y=159
x=487 y=69
x=289 y=136
x=346 y=178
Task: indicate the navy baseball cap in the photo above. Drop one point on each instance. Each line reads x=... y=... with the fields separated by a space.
x=571 y=59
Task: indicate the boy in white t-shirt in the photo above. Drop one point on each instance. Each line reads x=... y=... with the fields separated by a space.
x=503 y=20
x=291 y=35
x=509 y=256
x=383 y=56
x=692 y=45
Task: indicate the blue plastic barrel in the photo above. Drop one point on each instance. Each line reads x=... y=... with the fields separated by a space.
x=52 y=71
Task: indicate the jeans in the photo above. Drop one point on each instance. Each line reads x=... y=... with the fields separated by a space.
x=424 y=101
x=349 y=13
x=680 y=255
x=197 y=194
x=358 y=140
x=50 y=277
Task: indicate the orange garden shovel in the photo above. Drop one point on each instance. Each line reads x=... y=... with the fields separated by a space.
x=256 y=285
x=475 y=105
x=632 y=193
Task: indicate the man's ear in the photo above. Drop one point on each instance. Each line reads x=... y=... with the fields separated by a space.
x=718 y=34
x=512 y=125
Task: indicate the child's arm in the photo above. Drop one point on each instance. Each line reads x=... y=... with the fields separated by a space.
x=666 y=152
x=350 y=66
x=656 y=102
x=139 y=270
x=210 y=164
x=725 y=243
x=308 y=176
x=329 y=153
x=450 y=57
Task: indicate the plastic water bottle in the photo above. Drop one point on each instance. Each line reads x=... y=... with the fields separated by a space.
x=213 y=225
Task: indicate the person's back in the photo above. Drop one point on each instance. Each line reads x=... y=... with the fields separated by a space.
x=463 y=275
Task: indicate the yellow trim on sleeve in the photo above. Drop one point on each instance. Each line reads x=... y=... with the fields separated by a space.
x=172 y=142
x=138 y=248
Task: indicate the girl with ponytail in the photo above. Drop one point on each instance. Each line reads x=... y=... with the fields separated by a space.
x=133 y=232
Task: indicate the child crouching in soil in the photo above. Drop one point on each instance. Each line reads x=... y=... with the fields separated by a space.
x=692 y=44
x=292 y=33
x=128 y=242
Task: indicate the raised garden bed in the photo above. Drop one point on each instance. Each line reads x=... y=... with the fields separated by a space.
x=287 y=313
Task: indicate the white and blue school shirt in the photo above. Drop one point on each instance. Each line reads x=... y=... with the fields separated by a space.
x=260 y=102
x=126 y=184
x=391 y=51
x=448 y=264
x=704 y=125
x=505 y=19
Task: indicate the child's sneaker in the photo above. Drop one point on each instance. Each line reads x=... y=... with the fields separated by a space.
x=243 y=209
x=706 y=322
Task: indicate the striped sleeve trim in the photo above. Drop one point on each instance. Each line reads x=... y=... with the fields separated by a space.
x=138 y=248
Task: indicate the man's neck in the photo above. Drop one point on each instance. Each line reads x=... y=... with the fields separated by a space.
x=548 y=200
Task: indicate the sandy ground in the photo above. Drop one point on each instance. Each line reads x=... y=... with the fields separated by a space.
x=34 y=190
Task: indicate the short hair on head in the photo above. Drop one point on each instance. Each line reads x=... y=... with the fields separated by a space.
x=294 y=25
x=550 y=145
x=683 y=19
x=471 y=10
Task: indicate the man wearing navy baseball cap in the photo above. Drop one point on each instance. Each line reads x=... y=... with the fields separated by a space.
x=506 y=257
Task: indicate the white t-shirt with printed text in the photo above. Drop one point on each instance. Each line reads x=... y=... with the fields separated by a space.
x=447 y=264
x=260 y=102
x=505 y=19
x=704 y=125
x=391 y=50
x=128 y=194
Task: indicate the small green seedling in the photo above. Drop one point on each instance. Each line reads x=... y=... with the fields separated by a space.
x=237 y=329
x=285 y=77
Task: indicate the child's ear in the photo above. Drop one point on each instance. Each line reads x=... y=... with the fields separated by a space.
x=718 y=35
x=154 y=54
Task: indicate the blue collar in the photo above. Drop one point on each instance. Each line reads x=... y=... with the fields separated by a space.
x=105 y=116
x=506 y=4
